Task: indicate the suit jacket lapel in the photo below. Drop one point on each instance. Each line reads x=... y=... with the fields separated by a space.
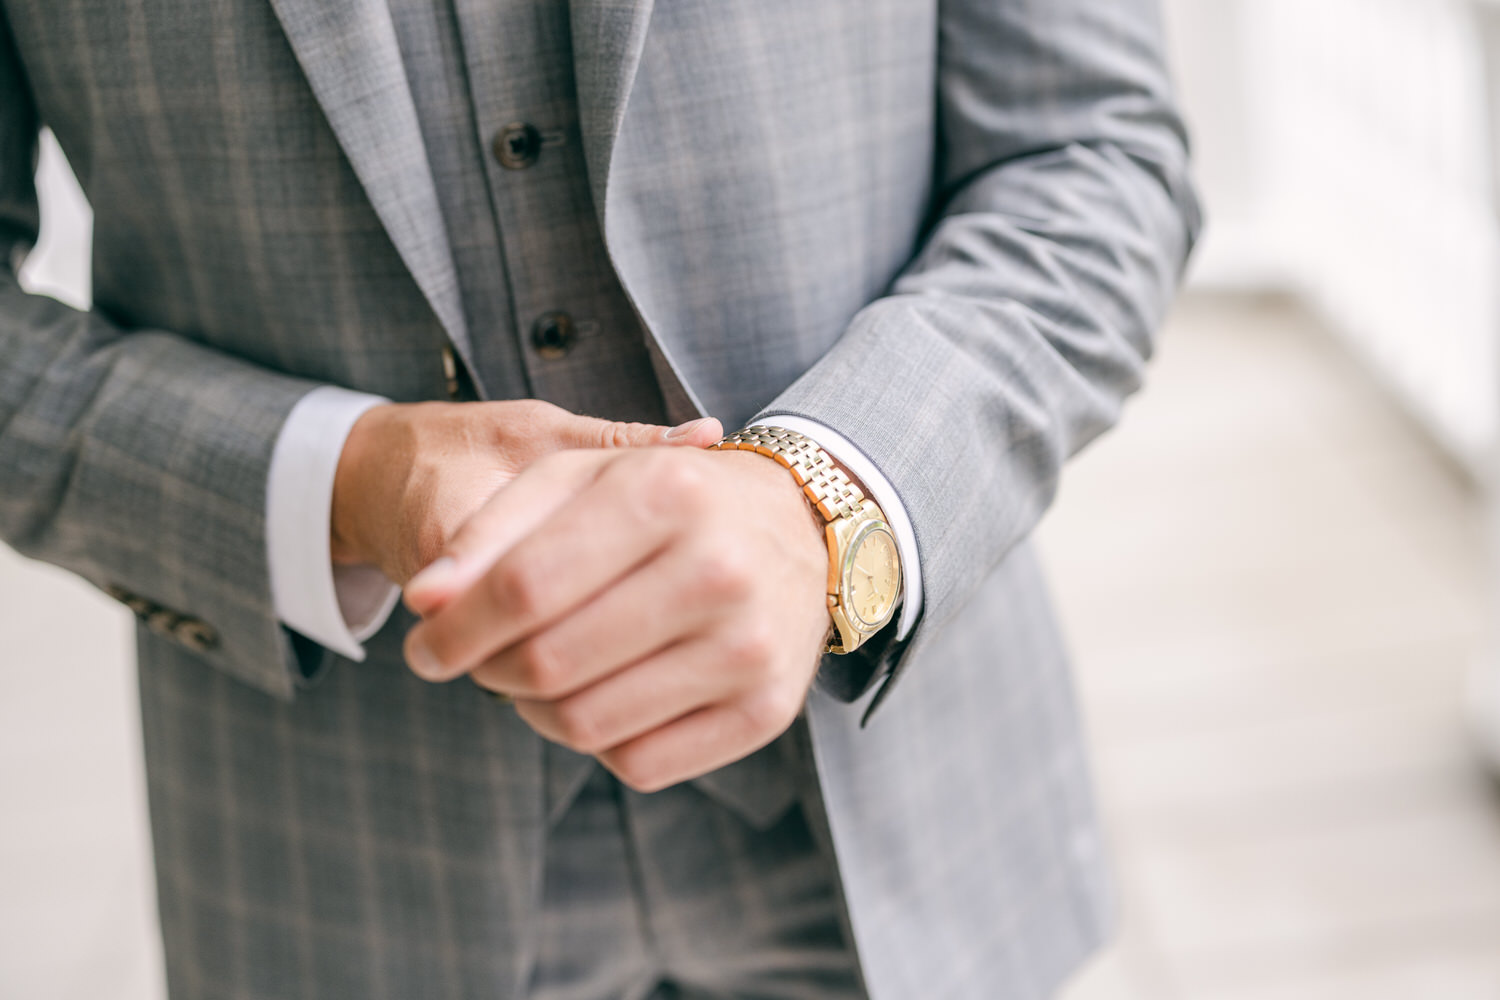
x=349 y=53
x=608 y=39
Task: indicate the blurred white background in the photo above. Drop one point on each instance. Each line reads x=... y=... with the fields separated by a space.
x=1345 y=152
x=1274 y=573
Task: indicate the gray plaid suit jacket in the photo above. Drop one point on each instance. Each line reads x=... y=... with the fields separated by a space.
x=946 y=228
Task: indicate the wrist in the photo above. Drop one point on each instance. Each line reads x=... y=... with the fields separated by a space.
x=785 y=485
x=356 y=483
x=864 y=568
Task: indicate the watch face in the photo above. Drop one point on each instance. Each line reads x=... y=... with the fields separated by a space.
x=874 y=578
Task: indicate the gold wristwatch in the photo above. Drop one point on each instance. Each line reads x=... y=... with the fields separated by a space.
x=864 y=565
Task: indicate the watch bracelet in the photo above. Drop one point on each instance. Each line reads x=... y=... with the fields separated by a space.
x=827 y=487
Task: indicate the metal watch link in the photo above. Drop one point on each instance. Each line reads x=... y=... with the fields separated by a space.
x=864 y=564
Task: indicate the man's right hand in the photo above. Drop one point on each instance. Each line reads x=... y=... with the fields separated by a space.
x=410 y=475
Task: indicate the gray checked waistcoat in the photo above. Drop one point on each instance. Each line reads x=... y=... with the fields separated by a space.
x=945 y=228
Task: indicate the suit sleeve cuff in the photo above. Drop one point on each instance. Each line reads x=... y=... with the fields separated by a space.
x=884 y=494
x=338 y=607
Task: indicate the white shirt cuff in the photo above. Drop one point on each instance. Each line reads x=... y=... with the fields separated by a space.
x=338 y=607
x=881 y=490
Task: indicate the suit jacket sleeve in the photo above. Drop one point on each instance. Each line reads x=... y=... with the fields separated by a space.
x=1063 y=217
x=135 y=458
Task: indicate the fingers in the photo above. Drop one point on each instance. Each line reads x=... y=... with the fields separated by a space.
x=695 y=433
x=589 y=432
x=588 y=542
x=631 y=702
x=703 y=741
x=488 y=534
x=506 y=518
x=736 y=667
x=657 y=606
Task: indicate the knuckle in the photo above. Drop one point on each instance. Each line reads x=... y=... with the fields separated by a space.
x=725 y=575
x=636 y=773
x=617 y=434
x=751 y=649
x=685 y=477
x=770 y=711
x=542 y=668
x=487 y=678
x=517 y=589
x=644 y=479
x=443 y=647
x=672 y=485
x=577 y=727
x=662 y=466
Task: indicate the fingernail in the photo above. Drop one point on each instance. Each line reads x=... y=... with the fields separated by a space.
x=684 y=430
x=422 y=662
x=435 y=573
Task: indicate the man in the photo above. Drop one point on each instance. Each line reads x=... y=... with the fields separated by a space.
x=917 y=248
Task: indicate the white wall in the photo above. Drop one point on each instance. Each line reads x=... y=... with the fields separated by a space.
x=1343 y=152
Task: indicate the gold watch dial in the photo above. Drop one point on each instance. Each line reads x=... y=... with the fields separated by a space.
x=874 y=578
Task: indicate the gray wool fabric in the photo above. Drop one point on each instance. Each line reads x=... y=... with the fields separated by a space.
x=947 y=230
x=670 y=898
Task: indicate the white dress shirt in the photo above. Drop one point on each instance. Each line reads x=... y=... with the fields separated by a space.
x=339 y=607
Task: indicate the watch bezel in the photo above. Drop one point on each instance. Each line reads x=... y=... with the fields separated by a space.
x=846 y=569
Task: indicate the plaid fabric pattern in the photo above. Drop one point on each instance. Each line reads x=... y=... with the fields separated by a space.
x=668 y=895
x=947 y=229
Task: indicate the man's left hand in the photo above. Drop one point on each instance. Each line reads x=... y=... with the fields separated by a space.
x=662 y=609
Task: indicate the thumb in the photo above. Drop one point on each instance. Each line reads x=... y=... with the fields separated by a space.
x=511 y=514
x=590 y=432
x=698 y=433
